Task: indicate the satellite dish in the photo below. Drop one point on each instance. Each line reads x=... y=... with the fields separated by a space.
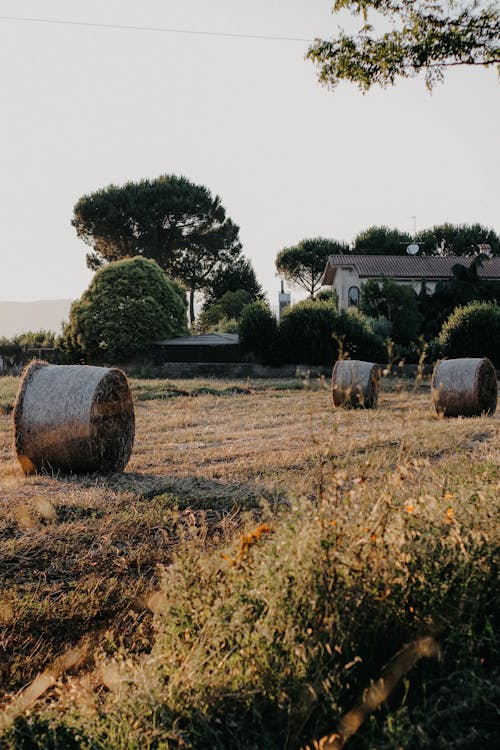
x=412 y=249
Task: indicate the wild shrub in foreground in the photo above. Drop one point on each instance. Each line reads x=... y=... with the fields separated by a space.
x=266 y=644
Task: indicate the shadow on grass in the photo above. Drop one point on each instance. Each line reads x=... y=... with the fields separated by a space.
x=196 y=493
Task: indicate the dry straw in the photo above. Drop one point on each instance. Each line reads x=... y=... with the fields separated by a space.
x=355 y=383
x=73 y=418
x=464 y=387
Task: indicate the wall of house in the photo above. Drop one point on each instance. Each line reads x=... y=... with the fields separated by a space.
x=346 y=278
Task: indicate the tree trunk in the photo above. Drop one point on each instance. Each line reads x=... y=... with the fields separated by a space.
x=191 y=306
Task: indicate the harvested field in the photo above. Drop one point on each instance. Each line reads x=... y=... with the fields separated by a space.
x=79 y=555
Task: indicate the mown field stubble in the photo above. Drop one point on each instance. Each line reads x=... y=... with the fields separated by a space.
x=380 y=526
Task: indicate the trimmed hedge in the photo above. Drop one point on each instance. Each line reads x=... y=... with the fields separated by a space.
x=127 y=304
x=258 y=331
x=314 y=332
x=472 y=331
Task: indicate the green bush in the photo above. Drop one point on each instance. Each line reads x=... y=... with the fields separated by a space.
x=327 y=295
x=128 y=303
x=259 y=332
x=395 y=302
x=41 y=338
x=313 y=332
x=9 y=347
x=225 y=325
x=228 y=307
x=434 y=351
x=472 y=331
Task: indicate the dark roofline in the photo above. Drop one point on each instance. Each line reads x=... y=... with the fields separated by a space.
x=406 y=267
x=207 y=339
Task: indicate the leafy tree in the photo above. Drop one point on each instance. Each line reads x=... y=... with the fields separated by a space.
x=228 y=307
x=442 y=239
x=259 y=332
x=458 y=239
x=472 y=331
x=232 y=277
x=127 y=304
x=424 y=35
x=40 y=338
x=304 y=264
x=226 y=325
x=178 y=224
x=395 y=302
x=381 y=241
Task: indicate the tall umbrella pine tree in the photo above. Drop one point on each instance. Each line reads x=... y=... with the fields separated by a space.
x=303 y=264
x=180 y=225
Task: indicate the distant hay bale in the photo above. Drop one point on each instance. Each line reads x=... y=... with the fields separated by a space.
x=355 y=383
x=73 y=418
x=464 y=387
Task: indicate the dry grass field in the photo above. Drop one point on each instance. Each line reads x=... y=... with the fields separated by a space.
x=83 y=559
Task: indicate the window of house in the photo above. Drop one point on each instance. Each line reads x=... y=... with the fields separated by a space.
x=353 y=296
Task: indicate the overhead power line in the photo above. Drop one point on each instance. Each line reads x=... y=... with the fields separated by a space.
x=160 y=29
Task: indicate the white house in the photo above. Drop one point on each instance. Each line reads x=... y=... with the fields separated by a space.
x=346 y=274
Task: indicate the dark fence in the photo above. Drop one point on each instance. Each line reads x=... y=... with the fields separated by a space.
x=13 y=358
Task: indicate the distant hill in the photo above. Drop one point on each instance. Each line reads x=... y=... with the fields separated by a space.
x=18 y=317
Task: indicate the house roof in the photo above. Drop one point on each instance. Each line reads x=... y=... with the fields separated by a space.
x=208 y=339
x=406 y=266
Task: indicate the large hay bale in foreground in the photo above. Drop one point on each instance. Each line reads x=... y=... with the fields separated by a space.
x=464 y=387
x=355 y=383
x=73 y=418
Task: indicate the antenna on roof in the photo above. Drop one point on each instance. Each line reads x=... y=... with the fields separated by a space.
x=413 y=247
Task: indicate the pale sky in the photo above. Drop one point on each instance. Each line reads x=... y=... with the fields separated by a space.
x=83 y=107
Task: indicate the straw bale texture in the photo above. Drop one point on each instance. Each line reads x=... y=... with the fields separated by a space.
x=355 y=383
x=73 y=418
x=464 y=387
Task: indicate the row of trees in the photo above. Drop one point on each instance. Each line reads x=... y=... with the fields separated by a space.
x=185 y=230
x=303 y=264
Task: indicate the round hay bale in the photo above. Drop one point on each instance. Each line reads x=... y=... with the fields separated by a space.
x=464 y=387
x=73 y=418
x=355 y=383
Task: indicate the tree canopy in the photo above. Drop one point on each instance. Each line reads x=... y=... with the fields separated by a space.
x=127 y=304
x=225 y=310
x=178 y=224
x=381 y=241
x=423 y=36
x=458 y=239
x=233 y=277
x=442 y=239
x=395 y=302
x=304 y=264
